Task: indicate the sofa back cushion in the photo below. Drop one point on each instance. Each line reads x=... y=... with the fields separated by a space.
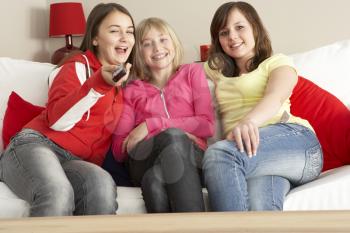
x=18 y=113
x=328 y=67
x=27 y=78
x=329 y=117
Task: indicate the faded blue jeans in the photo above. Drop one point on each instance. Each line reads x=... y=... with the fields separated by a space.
x=53 y=181
x=235 y=182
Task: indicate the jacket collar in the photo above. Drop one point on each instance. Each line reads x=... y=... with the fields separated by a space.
x=95 y=64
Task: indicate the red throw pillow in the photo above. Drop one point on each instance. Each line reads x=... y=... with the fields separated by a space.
x=329 y=117
x=18 y=113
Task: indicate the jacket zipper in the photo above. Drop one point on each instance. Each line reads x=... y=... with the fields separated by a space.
x=164 y=104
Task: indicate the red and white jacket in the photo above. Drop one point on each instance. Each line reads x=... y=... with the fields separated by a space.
x=82 y=109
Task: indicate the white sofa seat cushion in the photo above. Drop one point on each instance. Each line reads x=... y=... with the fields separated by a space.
x=10 y=205
x=130 y=200
x=331 y=191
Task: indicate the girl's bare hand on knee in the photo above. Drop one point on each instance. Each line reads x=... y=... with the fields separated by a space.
x=246 y=136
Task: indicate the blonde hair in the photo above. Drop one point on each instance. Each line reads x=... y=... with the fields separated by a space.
x=140 y=69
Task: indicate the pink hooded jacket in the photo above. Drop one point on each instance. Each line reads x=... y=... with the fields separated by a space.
x=184 y=103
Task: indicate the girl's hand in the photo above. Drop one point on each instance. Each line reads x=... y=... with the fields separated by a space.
x=107 y=71
x=135 y=136
x=191 y=136
x=246 y=135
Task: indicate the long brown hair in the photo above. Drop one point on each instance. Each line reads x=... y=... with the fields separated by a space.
x=94 y=20
x=218 y=59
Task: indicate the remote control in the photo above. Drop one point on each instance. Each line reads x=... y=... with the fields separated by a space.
x=118 y=73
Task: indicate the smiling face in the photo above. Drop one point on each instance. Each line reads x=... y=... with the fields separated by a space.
x=158 y=50
x=237 y=38
x=115 y=39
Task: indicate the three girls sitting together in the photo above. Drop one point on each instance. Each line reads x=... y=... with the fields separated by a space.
x=158 y=125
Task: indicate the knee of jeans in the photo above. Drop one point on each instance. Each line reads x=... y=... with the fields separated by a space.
x=58 y=196
x=172 y=135
x=218 y=152
x=101 y=185
x=175 y=163
x=104 y=201
x=173 y=132
x=101 y=192
x=175 y=145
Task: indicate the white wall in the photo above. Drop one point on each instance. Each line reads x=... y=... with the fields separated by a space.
x=24 y=29
x=294 y=25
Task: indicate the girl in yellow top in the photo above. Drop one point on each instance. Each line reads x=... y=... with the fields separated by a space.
x=266 y=148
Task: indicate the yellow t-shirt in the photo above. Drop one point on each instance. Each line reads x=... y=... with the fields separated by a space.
x=236 y=96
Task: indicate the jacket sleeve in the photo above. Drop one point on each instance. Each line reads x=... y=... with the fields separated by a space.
x=72 y=95
x=201 y=124
x=125 y=125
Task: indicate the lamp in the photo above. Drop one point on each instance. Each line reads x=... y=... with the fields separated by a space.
x=204 y=50
x=66 y=19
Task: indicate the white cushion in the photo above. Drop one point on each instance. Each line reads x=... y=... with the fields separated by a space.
x=328 y=67
x=27 y=78
x=331 y=191
x=130 y=200
x=10 y=205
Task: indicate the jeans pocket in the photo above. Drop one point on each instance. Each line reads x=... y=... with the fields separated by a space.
x=313 y=164
x=26 y=138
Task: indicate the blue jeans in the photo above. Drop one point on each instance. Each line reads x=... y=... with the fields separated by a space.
x=287 y=152
x=53 y=181
x=267 y=192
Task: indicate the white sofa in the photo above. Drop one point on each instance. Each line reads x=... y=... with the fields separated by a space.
x=327 y=66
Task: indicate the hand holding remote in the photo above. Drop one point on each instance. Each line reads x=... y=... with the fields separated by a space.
x=118 y=73
x=115 y=75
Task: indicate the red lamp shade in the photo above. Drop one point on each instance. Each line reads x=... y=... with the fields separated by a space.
x=66 y=19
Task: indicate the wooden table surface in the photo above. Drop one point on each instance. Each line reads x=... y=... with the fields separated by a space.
x=315 y=221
